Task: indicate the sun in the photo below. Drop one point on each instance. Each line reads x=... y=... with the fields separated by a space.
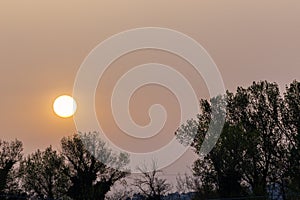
x=64 y=106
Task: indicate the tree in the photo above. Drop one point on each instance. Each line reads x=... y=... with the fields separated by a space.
x=150 y=185
x=202 y=188
x=291 y=119
x=257 y=110
x=120 y=191
x=43 y=174
x=10 y=154
x=93 y=167
x=219 y=171
x=251 y=145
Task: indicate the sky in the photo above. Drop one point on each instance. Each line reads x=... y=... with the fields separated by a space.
x=43 y=43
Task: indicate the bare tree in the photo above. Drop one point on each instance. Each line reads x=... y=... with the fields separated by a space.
x=150 y=185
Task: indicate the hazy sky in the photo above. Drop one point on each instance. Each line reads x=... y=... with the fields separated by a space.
x=43 y=43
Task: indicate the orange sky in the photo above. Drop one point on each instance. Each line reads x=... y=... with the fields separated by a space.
x=43 y=43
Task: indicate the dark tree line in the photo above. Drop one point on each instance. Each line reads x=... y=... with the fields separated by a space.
x=258 y=147
x=73 y=173
x=85 y=169
x=258 y=150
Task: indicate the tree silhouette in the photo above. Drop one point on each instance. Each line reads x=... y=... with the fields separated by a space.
x=250 y=148
x=93 y=167
x=10 y=153
x=291 y=118
x=150 y=185
x=257 y=110
x=43 y=174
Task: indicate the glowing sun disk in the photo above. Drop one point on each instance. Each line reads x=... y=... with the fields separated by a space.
x=64 y=106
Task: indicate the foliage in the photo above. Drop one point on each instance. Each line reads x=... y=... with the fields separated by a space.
x=258 y=144
x=291 y=118
x=120 y=191
x=43 y=174
x=10 y=154
x=93 y=167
